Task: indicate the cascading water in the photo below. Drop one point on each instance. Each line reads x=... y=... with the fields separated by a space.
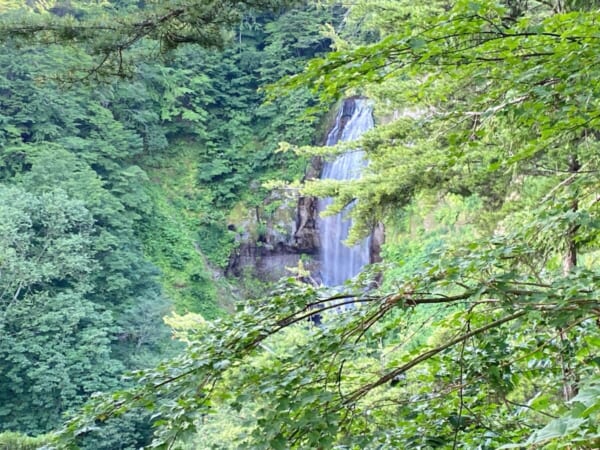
x=338 y=261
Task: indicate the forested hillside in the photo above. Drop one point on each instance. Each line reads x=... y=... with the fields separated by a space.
x=115 y=197
x=136 y=138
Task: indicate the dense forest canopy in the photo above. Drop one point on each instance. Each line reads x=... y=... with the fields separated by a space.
x=133 y=133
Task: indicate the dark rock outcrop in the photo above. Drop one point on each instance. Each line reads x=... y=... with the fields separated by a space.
x=273 y=238
x=377 y=240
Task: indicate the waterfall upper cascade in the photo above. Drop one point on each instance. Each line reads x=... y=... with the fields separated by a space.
x=338 y=261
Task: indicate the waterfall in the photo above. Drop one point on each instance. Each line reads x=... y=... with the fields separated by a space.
x=338 y=261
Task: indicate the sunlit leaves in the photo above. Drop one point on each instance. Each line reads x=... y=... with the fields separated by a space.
x=477 y=328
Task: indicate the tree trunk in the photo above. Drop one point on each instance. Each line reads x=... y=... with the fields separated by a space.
x=569 y=263
x=570 y=257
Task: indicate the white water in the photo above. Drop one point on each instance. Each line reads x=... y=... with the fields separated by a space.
x=339 y=262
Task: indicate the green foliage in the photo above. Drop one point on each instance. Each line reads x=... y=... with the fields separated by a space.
x=577 y=426
x=290 y=394
x=110 y=30
x=214 y=100
x=216 y=241
x=15 y=441
x=239 y=148
x=476 y=124
x=484 y=328
x=169 y=236
x=482 y=332
x=424 y=227
x=46 y=262
x=112 y=152
x=367 y=21
x=79 y=303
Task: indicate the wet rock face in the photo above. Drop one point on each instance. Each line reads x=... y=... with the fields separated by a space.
x=306 y=234
x=306 y=231
x=344 y=115
x=274 y=237
x=377 y=241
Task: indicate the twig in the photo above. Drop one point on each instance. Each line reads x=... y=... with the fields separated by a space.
x=461 y=390
x=361 y=392
x=565 y=182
